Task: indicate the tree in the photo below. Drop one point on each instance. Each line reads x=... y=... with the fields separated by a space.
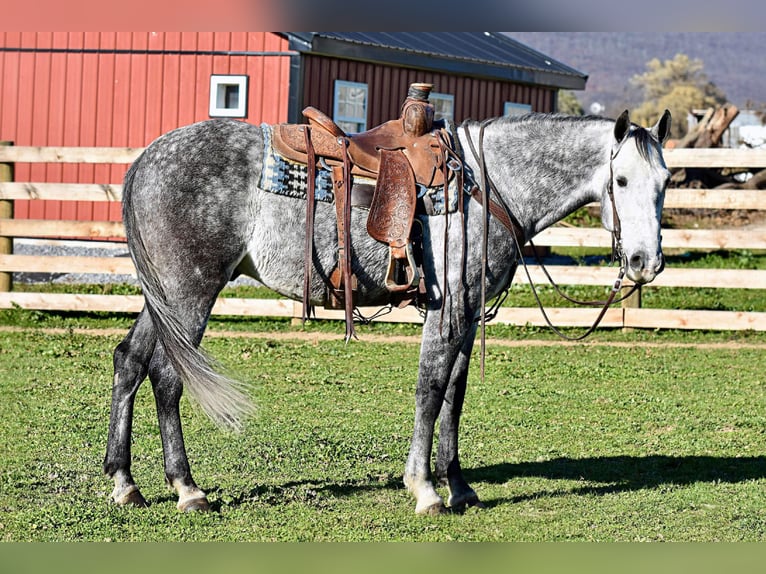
x=679 y=85
x=568 y=103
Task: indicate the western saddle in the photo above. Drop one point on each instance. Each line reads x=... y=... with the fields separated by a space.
x=400 y=155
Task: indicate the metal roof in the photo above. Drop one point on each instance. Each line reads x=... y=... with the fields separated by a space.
x=484 y=54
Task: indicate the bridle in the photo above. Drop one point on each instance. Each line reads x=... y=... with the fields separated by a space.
x=497 y=206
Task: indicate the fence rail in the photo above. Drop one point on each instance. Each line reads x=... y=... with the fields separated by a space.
x=558 y=236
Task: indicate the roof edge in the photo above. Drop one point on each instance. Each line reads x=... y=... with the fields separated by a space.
x=313 y=43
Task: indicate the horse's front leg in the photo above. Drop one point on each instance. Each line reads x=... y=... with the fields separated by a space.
x=437 y=358
x=448 y=469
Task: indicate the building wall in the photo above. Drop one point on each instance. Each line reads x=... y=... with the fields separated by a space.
x=475 y=98
x=122 y=89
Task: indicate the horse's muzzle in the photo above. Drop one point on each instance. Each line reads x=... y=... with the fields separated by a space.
x=643 y=268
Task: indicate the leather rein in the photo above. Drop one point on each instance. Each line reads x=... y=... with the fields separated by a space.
x=497 y=207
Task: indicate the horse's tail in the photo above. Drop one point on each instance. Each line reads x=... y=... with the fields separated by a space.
x=223 y=399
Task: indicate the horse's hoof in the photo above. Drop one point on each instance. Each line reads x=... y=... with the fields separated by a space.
x=459 y=503
x=135 y=499
x=194 y=505
x=132 y=497
x=432 y=510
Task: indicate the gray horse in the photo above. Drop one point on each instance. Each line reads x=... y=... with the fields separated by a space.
x=196 y=216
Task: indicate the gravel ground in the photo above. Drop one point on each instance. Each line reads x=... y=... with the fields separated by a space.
x=80 y=248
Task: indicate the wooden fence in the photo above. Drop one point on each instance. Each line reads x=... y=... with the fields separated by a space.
x=626 y=316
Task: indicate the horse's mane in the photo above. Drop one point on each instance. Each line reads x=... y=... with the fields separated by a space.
x=644 y=140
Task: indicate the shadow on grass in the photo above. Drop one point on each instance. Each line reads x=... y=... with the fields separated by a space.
x=622 y=473
x=309 y=491
x=603 y=475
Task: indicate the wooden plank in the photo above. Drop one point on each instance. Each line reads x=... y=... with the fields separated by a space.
x=45 y=228
x=568 y=275
x=67 y=264
x=671 y=238
x=71 y=302
x=561 y=274
x=406 y=315
x=61 y=191
x=715 y=157
x=714 y=239
x=554 y=236
x=36 y=154
x=705 y=320
x=287 y=308
x=712 y=199
x=687 y=157
x=559 y=316
x=6 y=212
x=633 y=318
x=670 y=277
x=255 y=307
x=675 y=198
x=711 y=278
x=223 y=306
x=715 y=198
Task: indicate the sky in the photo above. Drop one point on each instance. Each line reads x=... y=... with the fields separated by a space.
x=393 y=15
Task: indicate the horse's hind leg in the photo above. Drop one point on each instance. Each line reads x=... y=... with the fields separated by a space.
x=191 y=304
x=448 y=469
x=168 y=387
x=131 y=363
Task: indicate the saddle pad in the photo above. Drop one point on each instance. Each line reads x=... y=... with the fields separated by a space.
x=286 y=177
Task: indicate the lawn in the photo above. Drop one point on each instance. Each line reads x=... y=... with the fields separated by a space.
x=662 y=439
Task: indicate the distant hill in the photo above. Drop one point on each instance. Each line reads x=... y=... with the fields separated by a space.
x=735 y=62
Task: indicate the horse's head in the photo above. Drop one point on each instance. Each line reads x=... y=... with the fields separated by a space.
x=635 y=193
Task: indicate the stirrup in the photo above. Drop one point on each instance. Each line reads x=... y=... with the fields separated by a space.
x=403 y=254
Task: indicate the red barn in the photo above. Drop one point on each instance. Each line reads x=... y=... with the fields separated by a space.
x=123 y=89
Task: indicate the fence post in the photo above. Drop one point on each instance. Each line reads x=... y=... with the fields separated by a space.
x=633 y=302
x=6 y=212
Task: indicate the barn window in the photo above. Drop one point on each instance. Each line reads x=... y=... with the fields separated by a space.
x=228 y=96
x=514 y=109
x=350 y=109
x=444 y=106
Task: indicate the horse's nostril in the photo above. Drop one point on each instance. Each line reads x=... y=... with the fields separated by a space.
x=637 y=262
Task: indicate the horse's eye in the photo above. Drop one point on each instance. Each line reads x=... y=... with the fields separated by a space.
x=622 y=181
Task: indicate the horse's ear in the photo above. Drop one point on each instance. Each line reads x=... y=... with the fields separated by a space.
x=622 y=127
x=661 y=129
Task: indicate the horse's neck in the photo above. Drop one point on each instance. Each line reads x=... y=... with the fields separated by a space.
x=546 y=169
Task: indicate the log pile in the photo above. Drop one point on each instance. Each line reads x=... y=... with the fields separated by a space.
x=708 y=134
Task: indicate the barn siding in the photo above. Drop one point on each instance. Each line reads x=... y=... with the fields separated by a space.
x=106 y=89
x=475 y=98
x=127 y=88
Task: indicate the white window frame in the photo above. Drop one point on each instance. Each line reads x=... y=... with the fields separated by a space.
x=514 y=109
x=218 y=86
x=341 y=119
x=445 y=98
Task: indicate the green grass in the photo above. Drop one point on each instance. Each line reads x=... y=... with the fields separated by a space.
x=661 y=442
x=561 y=442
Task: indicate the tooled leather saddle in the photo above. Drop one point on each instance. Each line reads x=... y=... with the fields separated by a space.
x=399 y=155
